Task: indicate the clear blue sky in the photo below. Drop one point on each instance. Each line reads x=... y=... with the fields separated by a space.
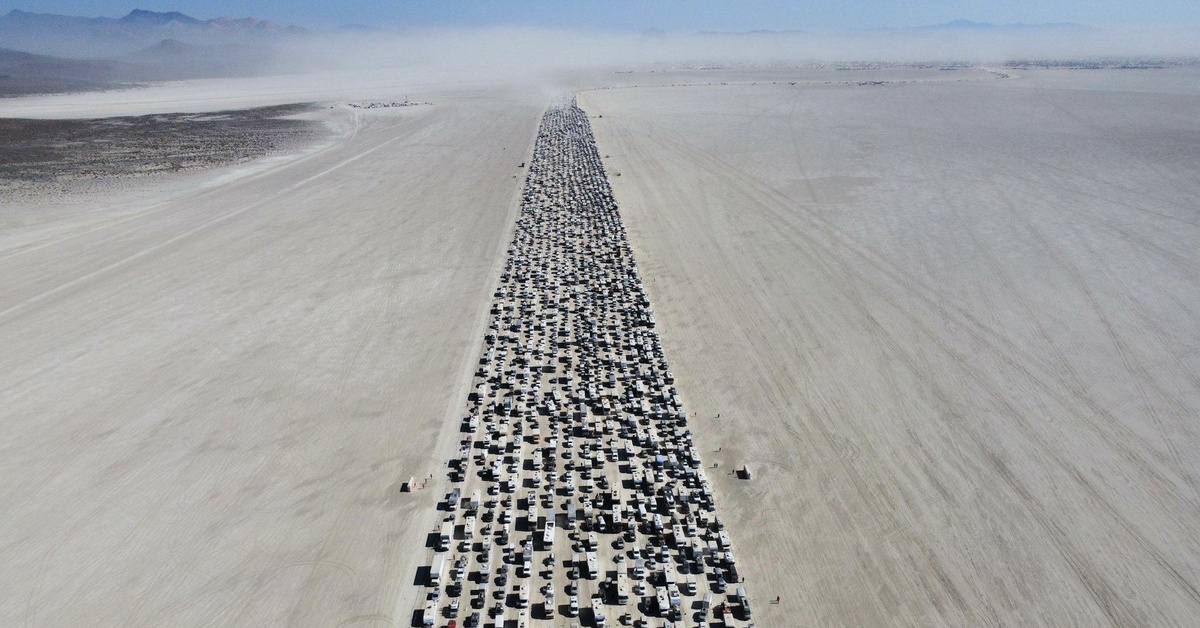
x=670 y=15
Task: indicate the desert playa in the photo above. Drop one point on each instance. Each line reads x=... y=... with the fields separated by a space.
x=210 y=400
x=952 y=327
x=947 y=318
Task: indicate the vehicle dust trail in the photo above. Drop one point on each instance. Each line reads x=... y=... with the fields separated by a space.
x=572 y=373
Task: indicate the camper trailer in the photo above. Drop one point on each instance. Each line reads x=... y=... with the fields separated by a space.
x=598 y=612
x=622 y=588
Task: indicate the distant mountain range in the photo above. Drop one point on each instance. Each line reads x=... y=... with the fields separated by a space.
x=956 y=25
x=43 y=53
x=968 y=25
x=104 y=37
x=23 y=73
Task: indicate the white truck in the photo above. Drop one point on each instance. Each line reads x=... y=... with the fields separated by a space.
x=436 y=569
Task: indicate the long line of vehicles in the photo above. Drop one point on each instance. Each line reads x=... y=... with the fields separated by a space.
x=577 y=477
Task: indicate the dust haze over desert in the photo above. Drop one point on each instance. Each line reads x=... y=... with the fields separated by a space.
x=598 y=322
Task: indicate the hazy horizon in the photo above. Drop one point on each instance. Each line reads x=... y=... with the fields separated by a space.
x=628 y=16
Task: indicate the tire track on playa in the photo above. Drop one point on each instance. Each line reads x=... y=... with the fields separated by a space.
x=984 y=252
x=379 y=313
x=1061 y=362
x=443 y=442
x=198 y=229
x=1109 y=133
x=162 y=206
x=1086 y=573
x=1139 y=373
x=268 y=462
x=389 y=302
x=827 y=443
x=1105 y=597
x=1140 y=376
x=839 y=448
x=135 y=609
x=846 y=449
x=1106 y=221
x=1013 y=357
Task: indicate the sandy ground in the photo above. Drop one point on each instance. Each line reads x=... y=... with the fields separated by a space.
x=949 y=321
x=211 y=397
x=952 y=328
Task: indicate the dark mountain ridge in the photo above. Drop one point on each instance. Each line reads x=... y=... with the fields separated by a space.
x=141 y=17
x=104 y=37
x=23 y=73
